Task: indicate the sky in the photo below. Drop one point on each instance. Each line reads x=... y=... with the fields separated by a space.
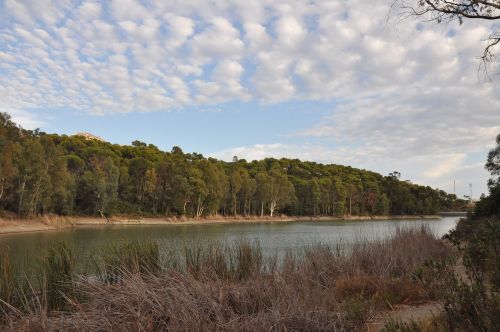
x=343 y=81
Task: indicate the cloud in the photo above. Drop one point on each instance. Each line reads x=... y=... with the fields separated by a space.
x=220 y=40
x=309 y=51
x=396 y=91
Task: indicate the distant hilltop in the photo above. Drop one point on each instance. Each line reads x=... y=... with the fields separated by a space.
x=89 y=136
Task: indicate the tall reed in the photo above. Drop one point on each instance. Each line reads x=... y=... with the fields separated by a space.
x=7 y=276
x=228 y=287
x=129 y=256
x=237 y=261
x=58 y=271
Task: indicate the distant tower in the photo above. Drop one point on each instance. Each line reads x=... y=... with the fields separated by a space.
x=235 y=159
x=454 y=188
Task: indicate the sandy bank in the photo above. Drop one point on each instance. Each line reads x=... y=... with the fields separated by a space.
x=56 y=223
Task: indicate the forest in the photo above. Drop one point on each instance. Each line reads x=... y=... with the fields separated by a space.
x=44 y=173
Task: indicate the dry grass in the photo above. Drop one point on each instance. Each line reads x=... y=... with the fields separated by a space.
x=56 y=221
x=7 y=279
x=231 y=288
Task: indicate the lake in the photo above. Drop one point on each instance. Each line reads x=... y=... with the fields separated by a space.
x=274 y=237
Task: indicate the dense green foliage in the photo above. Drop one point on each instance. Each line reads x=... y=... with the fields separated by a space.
x=490 y=205
x=70 y=175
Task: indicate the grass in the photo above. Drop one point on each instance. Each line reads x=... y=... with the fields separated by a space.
x=434 y=324
x=240 y=261
x=58 y=272
x=466 y=289
x=470 y=300
x=128 y=256
x=7 y=276
x=232 y=287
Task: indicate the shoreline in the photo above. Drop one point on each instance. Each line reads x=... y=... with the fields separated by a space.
x=54 y=223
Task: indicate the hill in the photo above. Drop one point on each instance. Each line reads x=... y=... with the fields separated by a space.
x=44 y=173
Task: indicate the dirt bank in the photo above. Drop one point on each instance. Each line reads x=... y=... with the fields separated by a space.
x=48 y=223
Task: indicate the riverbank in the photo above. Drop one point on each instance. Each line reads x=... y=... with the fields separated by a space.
x=51 y=223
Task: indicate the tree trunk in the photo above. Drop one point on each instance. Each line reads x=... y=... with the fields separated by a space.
x=350 y=205
x=34 y=200
x=199 y=207
x=2 y=185
x=272 y=207
x=23 y=185
x=234 y=206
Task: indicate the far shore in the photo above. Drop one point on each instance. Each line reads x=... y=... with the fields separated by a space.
x=51 y=223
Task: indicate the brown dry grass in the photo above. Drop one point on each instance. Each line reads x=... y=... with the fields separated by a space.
x=324 y=289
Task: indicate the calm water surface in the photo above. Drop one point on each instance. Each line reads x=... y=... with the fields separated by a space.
x=273 y=237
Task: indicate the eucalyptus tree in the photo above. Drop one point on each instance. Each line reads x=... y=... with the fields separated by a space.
x=353 y=188
x=217 y=184
x=490 y=205
x=263 y=192
x=493 y=164
x=32 y=176
x=281 y=190
x=43 y=173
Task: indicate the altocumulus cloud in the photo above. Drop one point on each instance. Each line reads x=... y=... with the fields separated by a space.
x=403 y=96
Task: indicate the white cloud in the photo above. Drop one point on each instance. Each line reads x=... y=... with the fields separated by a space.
x=90 y=10
x=402 y=91
x=129 y=10
x=220 y=40
x=290 y=32
x=326 y=51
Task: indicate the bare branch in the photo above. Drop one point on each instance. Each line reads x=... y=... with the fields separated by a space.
x=457 y=10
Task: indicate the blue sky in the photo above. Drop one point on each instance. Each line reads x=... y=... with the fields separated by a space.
x=329 y=81
x=195 y=128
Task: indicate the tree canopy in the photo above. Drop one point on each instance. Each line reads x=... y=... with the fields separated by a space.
x=490 y=205
x=73 y=175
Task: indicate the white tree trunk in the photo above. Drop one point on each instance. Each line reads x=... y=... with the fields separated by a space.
x=272 y=207
x=199 y=208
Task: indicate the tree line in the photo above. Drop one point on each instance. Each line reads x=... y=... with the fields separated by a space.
x=72 y=175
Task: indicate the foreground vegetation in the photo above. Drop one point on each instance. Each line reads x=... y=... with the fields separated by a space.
x=214 y=287
x=72 y=175
x=470 y=298
x=467 y=290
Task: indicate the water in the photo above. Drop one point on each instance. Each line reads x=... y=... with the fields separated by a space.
x=274 y=237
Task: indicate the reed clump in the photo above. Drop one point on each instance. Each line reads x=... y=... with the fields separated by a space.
x=58 y=266
x=128 y=256
x=231 y=287
x=238 y=261
x=7 y=277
